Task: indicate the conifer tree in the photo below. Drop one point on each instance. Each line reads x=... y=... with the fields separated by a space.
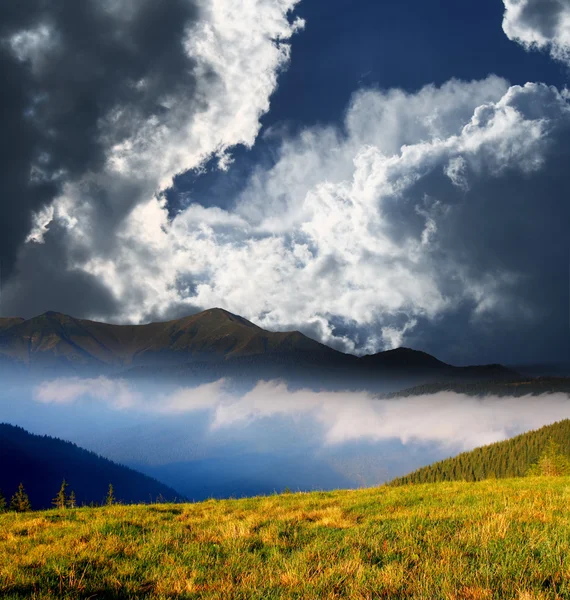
x=551 y=463
x=60 y=501
x=2 y=503
x=20 y=501
x=71 y=501
x=110 y=500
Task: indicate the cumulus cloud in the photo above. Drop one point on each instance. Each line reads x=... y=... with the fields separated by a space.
x=540 y=25
x=447 y=419
x=358 y=236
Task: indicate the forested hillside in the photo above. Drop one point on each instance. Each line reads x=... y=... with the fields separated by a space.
x=40 y=463
x=510 y=458
x=503 y=387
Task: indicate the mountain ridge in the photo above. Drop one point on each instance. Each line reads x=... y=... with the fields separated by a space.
x=213 y=340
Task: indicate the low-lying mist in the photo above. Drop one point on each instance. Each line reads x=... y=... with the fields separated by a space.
x=451 y=420
x=217 y=440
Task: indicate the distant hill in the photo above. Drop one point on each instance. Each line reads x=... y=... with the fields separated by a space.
x=213 y=342
x=41 y=462
x=502 y=387
x=510 y=458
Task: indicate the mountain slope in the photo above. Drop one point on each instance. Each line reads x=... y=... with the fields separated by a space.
x=41 y=462
x=216 y=334
x=54 y=338
x=510 y=458
x=7 y=322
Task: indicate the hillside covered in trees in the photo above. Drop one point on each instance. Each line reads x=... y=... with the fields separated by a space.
x=534 y=386
x=510 y=458
x=40 y=463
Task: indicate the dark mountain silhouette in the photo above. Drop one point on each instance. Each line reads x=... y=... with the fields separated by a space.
x=213 y=343
x=42 y=462
x=510 y=458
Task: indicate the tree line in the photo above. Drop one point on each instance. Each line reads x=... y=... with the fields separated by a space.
x=503 y=388
x=20 y=502
x=545 y=451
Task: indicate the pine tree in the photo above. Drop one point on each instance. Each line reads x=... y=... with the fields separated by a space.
x=71 y=501
x=60 y=501
x=110 y=500
x=2 y=502
x=20 y=501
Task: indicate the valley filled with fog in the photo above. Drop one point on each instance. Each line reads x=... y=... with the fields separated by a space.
x=220 y=440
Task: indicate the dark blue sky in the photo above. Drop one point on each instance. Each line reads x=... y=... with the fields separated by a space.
x=347 y=45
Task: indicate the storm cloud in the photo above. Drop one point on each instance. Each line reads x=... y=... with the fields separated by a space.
x=103 y=103
x=540 y=25
x=79 y=78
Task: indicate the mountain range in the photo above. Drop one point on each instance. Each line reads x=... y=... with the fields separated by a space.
x=210 y=344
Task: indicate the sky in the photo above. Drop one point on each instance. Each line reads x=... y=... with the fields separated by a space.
x=372 y=173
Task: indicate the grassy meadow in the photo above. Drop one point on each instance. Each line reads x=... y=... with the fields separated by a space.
x=473 y=541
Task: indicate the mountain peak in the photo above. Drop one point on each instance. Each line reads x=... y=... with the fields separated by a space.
x=404 y=357
x=53 y=315
x=220 y=315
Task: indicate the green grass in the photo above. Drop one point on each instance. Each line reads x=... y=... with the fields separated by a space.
x=493 y=539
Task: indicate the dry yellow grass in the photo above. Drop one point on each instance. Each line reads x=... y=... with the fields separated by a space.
x=456 y=541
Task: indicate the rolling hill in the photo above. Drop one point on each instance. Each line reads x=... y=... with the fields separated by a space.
x=41 y=462
x=510 y=458
x=214 y=342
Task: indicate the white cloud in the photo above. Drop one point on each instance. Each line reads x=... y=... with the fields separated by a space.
x=446 y=419
x=187 y=400
x=121 y=395
x=116 y=393
x=340 y=228
x=540 y=24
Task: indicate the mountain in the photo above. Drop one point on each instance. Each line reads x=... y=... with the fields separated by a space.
x=214 y=342
x=42 y=462
x=510 y=458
